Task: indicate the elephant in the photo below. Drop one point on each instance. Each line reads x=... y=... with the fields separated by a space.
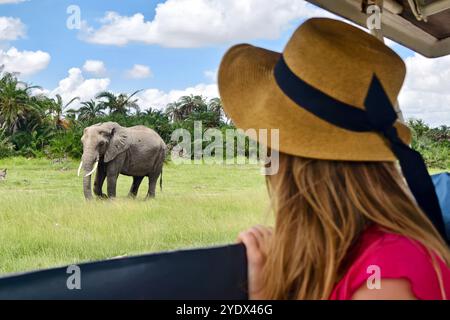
x=111 y=149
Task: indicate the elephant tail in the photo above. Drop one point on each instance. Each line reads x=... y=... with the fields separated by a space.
x=160 y=180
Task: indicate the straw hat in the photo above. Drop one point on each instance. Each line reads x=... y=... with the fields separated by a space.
x=336 y=60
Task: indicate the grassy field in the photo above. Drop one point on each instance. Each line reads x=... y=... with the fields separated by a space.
x=45 y=221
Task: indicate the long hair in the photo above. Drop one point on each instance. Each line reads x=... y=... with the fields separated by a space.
x=321 y=208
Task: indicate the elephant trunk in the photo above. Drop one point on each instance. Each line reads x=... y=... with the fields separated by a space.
x=87 y=187
x=89 y=164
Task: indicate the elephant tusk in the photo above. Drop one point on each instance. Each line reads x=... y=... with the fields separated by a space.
x=79 y=168
x=93 y=170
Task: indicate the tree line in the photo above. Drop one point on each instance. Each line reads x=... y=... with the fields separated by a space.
x=36 y=125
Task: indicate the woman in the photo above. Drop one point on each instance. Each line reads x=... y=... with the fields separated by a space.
x=347 y=225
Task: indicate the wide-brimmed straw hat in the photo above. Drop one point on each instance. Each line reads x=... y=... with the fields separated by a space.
x=331 y=95
x=329 y=55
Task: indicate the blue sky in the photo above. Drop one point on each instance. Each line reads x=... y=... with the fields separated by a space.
x=181 y=45
x=46 y=31
x=171 y=67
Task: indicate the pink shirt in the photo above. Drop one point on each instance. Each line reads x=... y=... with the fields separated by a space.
x=394 y=256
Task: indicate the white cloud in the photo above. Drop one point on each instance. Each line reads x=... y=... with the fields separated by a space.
x=139 y=71
x=95 y=67
x=159 y=99
x=11 y=29
x=11 y=1
x=211 y=75
x=194 y=23
x=75 y=85
x=40 y=91
x=24 y=62
x=426 y=94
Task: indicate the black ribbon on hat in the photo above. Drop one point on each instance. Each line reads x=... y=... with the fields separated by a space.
x=379 y=116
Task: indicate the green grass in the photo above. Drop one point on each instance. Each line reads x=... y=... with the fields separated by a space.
x=45 y=221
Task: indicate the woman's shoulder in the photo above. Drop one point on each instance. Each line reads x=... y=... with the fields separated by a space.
x=381 y=254
x=381 y=246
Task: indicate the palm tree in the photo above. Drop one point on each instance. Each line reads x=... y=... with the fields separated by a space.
x=174 y=112
x=191 y=104
x=15 y=102
x=185 y=107
x=57 y=108
x=120 y=104
x=156 y=116
x=150 y=112
x=71 y=115
x=137 y=109
x=216 y=109
x=90 y=110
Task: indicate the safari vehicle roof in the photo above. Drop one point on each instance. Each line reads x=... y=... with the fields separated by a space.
x=421 y=25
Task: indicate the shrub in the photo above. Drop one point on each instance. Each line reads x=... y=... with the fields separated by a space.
x=66 y=144
x=6 y=147
x=432 y=143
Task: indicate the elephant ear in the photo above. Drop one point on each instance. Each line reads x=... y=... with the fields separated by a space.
x=119 y=143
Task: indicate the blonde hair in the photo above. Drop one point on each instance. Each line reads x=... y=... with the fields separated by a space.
x=321 y=207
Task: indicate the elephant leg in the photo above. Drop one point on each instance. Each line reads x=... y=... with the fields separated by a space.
x=112 y=184
x=152 y=180
x=113 y=169
x=112 y=173
x=99 y=180
x=135 y=186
